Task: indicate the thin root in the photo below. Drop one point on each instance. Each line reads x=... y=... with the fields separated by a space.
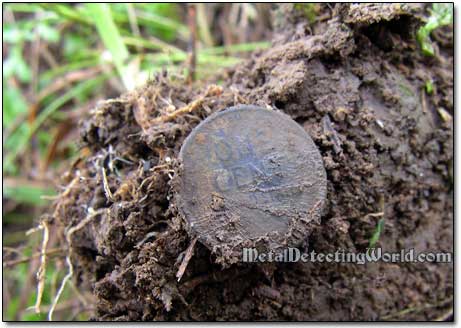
x=34 y=230
x=106 y=186
x=69 y=275
x=61 y=288
x=213 y=90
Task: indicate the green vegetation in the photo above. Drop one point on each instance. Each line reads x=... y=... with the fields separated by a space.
x=59 y=60
x=62 y=56
x=376 y=233
x=441 y=14
x=429 y=87
x=309 y=10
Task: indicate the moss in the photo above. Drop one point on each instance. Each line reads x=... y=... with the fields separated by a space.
x=308 y=10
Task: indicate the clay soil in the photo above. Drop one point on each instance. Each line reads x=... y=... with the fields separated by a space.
x=355 y=81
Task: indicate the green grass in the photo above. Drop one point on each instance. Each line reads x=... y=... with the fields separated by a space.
x=376 y=233
x=19 y=278
x=88 y=30
x=110 y=36
x=441 y=15
x=27 y=194
x=78 y=90
x=429 y=87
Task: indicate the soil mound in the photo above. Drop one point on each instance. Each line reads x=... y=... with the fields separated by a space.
x=355 y=82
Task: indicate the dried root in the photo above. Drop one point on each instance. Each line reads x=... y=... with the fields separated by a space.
x=91 y=215
x=42 y=269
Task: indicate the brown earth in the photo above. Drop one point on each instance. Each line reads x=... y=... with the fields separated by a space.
x=355 y=81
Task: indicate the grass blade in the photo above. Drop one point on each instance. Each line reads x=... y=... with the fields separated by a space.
x=67 y=12
x=76 y=91
x=27 y=194
x=377 y=233
x=110 y=35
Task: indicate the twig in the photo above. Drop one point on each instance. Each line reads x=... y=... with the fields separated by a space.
x=191 y=10
x=30 y=258
x=42 y=268
x=185 y=261
x=203 y=25
x=423 y=101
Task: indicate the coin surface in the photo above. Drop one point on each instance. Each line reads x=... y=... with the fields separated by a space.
x=250 y=177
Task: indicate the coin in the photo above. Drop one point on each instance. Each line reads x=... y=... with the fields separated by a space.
x=250 y=177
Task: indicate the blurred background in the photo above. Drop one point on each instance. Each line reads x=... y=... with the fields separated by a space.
x=59 y=60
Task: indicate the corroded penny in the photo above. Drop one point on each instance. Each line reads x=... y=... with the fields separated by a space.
x=251 y=177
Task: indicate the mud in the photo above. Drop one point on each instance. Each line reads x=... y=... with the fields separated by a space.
x=355 y=81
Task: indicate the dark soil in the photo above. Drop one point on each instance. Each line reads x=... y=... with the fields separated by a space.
x=355 y=81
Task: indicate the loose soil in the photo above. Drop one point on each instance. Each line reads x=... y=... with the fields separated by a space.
x=354 y=81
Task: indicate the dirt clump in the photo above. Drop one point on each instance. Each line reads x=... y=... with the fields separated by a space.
x=355 y=82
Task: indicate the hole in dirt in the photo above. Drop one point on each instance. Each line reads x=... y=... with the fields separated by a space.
x=279 y=104
x=103 y=269
x=143 y=151
x=332 y=280
x=385 y=35
x=160 y=226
